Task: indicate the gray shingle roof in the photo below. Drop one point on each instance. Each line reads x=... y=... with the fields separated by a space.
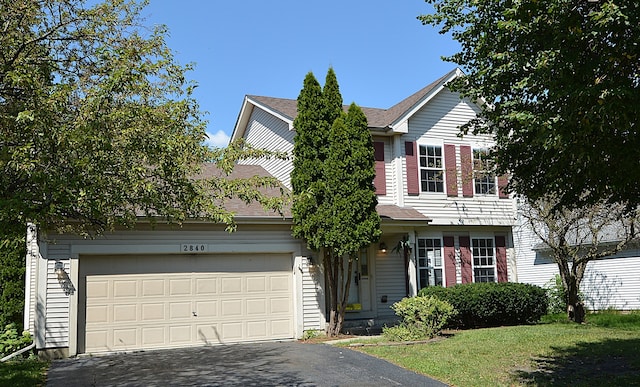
x=376 y=117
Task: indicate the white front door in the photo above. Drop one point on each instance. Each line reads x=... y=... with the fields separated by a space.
x=360 y=290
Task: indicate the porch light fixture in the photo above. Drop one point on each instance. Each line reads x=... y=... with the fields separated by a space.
x=63 y=278
x=383 y=247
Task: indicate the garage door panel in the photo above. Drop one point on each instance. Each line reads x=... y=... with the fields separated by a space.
x=231 y=285
x=180 y=334
x=206 y=286
x=256 y=306
x=256 y=284
x=125 y=313
x=180 y=287
x=279 y=283
x=257 y=329
x=152 y=312
x=131 y=309
x=153 y=288
x=153 y=336
x=98 y=314
x=207 y=308
x=124 y=289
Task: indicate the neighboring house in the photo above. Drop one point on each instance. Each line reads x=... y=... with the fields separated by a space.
x=197 y=284
x=611 y=282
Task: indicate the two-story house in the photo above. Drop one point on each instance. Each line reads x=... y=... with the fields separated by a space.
x=197 y=284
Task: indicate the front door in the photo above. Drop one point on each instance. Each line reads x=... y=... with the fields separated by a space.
x=360 y=290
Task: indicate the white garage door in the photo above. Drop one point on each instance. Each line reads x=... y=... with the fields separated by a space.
x=147 y=302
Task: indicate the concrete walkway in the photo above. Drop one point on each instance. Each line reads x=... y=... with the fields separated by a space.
x=256 y=364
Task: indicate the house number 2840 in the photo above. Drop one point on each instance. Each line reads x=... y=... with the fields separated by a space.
x=193 y=248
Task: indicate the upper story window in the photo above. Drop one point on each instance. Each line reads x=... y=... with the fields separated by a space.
x=484 y=260
x=483 y=177
x=431 y=168
x=430 y=265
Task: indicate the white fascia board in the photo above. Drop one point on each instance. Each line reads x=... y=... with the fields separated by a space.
x=243 y=120
x=274 y=113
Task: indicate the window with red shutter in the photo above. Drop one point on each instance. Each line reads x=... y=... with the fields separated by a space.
x=380 y=181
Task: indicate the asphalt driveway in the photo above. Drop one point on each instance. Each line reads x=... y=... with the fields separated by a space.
x=256 y=364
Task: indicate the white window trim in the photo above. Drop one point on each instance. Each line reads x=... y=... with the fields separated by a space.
x=495 y=263
x=442 y=260
x=439 y=144
x=495 y=177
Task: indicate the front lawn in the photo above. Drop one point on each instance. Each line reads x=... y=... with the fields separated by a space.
x=602 y=352
x=24 y=372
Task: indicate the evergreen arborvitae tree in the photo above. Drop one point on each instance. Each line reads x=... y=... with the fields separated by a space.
x=332 y=180
x=353 y=221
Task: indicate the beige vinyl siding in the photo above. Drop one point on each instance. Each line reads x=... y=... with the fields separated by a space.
x=389 y=282
x=312 y=296
x=266 y=131
x=439 y=122
x=57 y=302
x=389 y=169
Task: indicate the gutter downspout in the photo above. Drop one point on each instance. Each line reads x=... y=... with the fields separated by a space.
x=23 y=350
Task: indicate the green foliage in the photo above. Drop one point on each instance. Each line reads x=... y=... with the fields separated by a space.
x=421 y=318
x=353 y=222
x=98 y=123
x=561 y=81
x=492 y=304
x=312 y=334
x=11 y=340
x=557 y=295
x=12 y=270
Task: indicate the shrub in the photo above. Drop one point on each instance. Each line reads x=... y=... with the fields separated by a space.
x=11 y=340
x=492 y=304
x=557 y=295
x=421 y=318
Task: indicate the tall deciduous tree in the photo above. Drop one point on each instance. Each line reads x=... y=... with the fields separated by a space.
x=98 y=125
x=332 y=180
x=578 y=236
x=560 y=83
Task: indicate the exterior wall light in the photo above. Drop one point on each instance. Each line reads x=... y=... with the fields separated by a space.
x=383 y=247
x=63 y=278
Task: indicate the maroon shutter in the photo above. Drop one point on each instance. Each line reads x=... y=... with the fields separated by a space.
x=465 y=260
x=450 y=169
x=449 y=261
x=501 y=259
x=466 y=164
x=502 y=183
x=380 y=181
x=413 y=185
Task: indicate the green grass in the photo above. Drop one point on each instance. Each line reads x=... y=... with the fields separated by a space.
x=605 y=351
x=24 y=372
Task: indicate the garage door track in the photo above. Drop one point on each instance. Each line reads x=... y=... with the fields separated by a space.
x=256 y=364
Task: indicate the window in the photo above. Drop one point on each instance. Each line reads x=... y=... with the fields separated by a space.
x=484 y=260
x=431 y=168
x=430 y=263
x=483 y=176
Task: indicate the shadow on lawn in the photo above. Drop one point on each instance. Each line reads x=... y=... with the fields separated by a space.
x=609 y=362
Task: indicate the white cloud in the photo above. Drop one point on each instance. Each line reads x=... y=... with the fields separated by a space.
x=218 y=140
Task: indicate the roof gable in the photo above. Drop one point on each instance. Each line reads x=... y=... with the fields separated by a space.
x=377 y=118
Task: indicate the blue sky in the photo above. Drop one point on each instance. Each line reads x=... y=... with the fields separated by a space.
x=380 y=52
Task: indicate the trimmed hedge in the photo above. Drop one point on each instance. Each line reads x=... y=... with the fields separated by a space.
x=492 y=304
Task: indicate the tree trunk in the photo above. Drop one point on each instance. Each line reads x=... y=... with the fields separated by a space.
x=339 y=282
x=575 y=308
